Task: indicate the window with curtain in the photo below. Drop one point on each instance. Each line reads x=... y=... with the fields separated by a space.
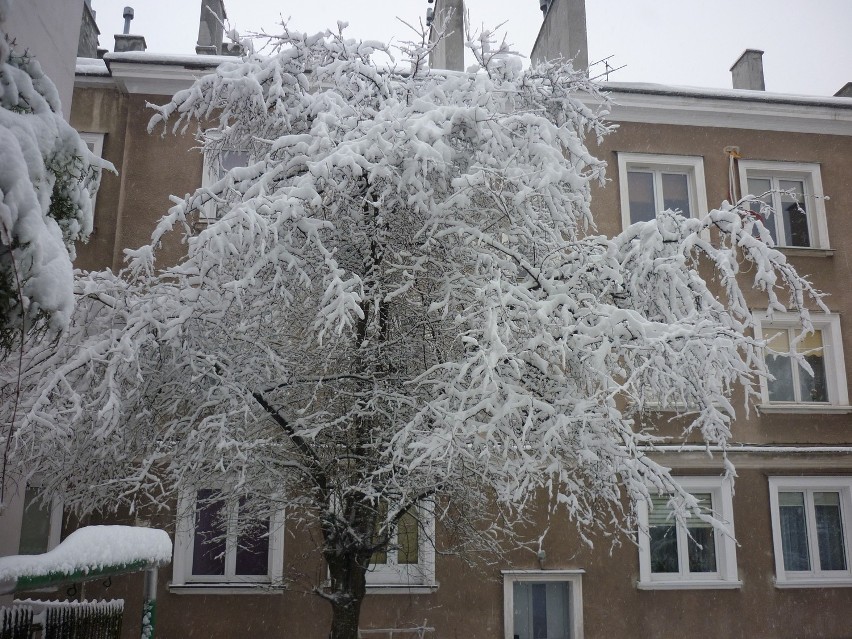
x=792 y=387
x=409 y=558
x=651 y=183
x=788 y=199
x=811 y=523
x=690 y=551
x=220 y=541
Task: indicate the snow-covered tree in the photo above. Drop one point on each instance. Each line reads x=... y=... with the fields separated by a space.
x=403 y=300
x=47 y=178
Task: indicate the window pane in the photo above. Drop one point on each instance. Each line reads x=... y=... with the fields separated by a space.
x=541 y=610
x=676 y=193
x=252 y=545
x=795 y=215
x=781 y=389
x=663 y=536
x=409 y=548
x=640 y=190
x=813 y=388
x=380 y=556
x=794 y=532
x=231 y=159
x=35 y=524
x=832 y=553
x=761 y=187
x=208 y=549
x=701 y=538
x=701 y=547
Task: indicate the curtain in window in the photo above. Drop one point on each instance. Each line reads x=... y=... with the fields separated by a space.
x=541 y=610
x=701 y=539
x=794 y=531
x=832 y=553
x=208 y=548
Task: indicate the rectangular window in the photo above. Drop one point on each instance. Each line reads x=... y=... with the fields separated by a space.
x=409 y=560
x=653 y=183
x=810 y=526
x=792 y=385
x=690 y=553
x=681 y=549
x=217 y=543
x=790 y=201
x=216 y=164
x=543 y=604
x=40 y=523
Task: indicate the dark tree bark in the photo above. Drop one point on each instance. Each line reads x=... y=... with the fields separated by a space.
x=348 y=546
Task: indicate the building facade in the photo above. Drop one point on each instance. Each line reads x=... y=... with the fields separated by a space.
x=786 y=573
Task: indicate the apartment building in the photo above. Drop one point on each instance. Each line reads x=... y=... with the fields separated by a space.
x=787 y=573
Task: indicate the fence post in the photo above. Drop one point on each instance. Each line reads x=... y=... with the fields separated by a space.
x=149 y=604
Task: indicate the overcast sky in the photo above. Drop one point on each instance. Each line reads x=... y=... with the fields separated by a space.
x=808 y=43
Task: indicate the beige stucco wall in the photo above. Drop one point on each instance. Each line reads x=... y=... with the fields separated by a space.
x=469 y=602
x=151 y=167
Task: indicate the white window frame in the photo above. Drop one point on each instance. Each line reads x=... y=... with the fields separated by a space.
x=97 y=142
x=809 y=174
x=835 y=366
x=814 y=578
x=692 y=166
x=574 y=579
x=182 y=578
x=393 y=578
x=721 y=490
x=210 y=175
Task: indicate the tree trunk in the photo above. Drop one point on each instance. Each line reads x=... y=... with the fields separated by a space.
x=348 y=587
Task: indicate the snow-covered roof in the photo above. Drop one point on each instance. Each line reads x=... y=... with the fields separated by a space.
x=649 y=88
x=92 y=548
x=165 y=74
x=91 y=66
x=185 y=60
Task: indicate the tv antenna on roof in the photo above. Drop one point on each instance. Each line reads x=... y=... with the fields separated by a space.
x=608 y=68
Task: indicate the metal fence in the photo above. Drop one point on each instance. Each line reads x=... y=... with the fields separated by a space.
x=16 y=622
x=32 y=619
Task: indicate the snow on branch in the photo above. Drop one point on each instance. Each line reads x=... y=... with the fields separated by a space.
x=402 y=294
x=47 y=179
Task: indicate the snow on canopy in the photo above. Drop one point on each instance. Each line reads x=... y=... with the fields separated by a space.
x=402 y=297
x=47 y=179
x=90 y=549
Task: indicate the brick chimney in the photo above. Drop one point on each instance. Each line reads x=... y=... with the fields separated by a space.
x=87 y=44
x=449 y=54
x=125 y=41
x=563 y=33
x=747 y=72
x=210 y=31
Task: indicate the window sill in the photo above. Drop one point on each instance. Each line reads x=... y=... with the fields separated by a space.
x=843 y=582
x=805 y=409
x=225 y=589
x=401 y=589
x=689 y=585
x=805 y=251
